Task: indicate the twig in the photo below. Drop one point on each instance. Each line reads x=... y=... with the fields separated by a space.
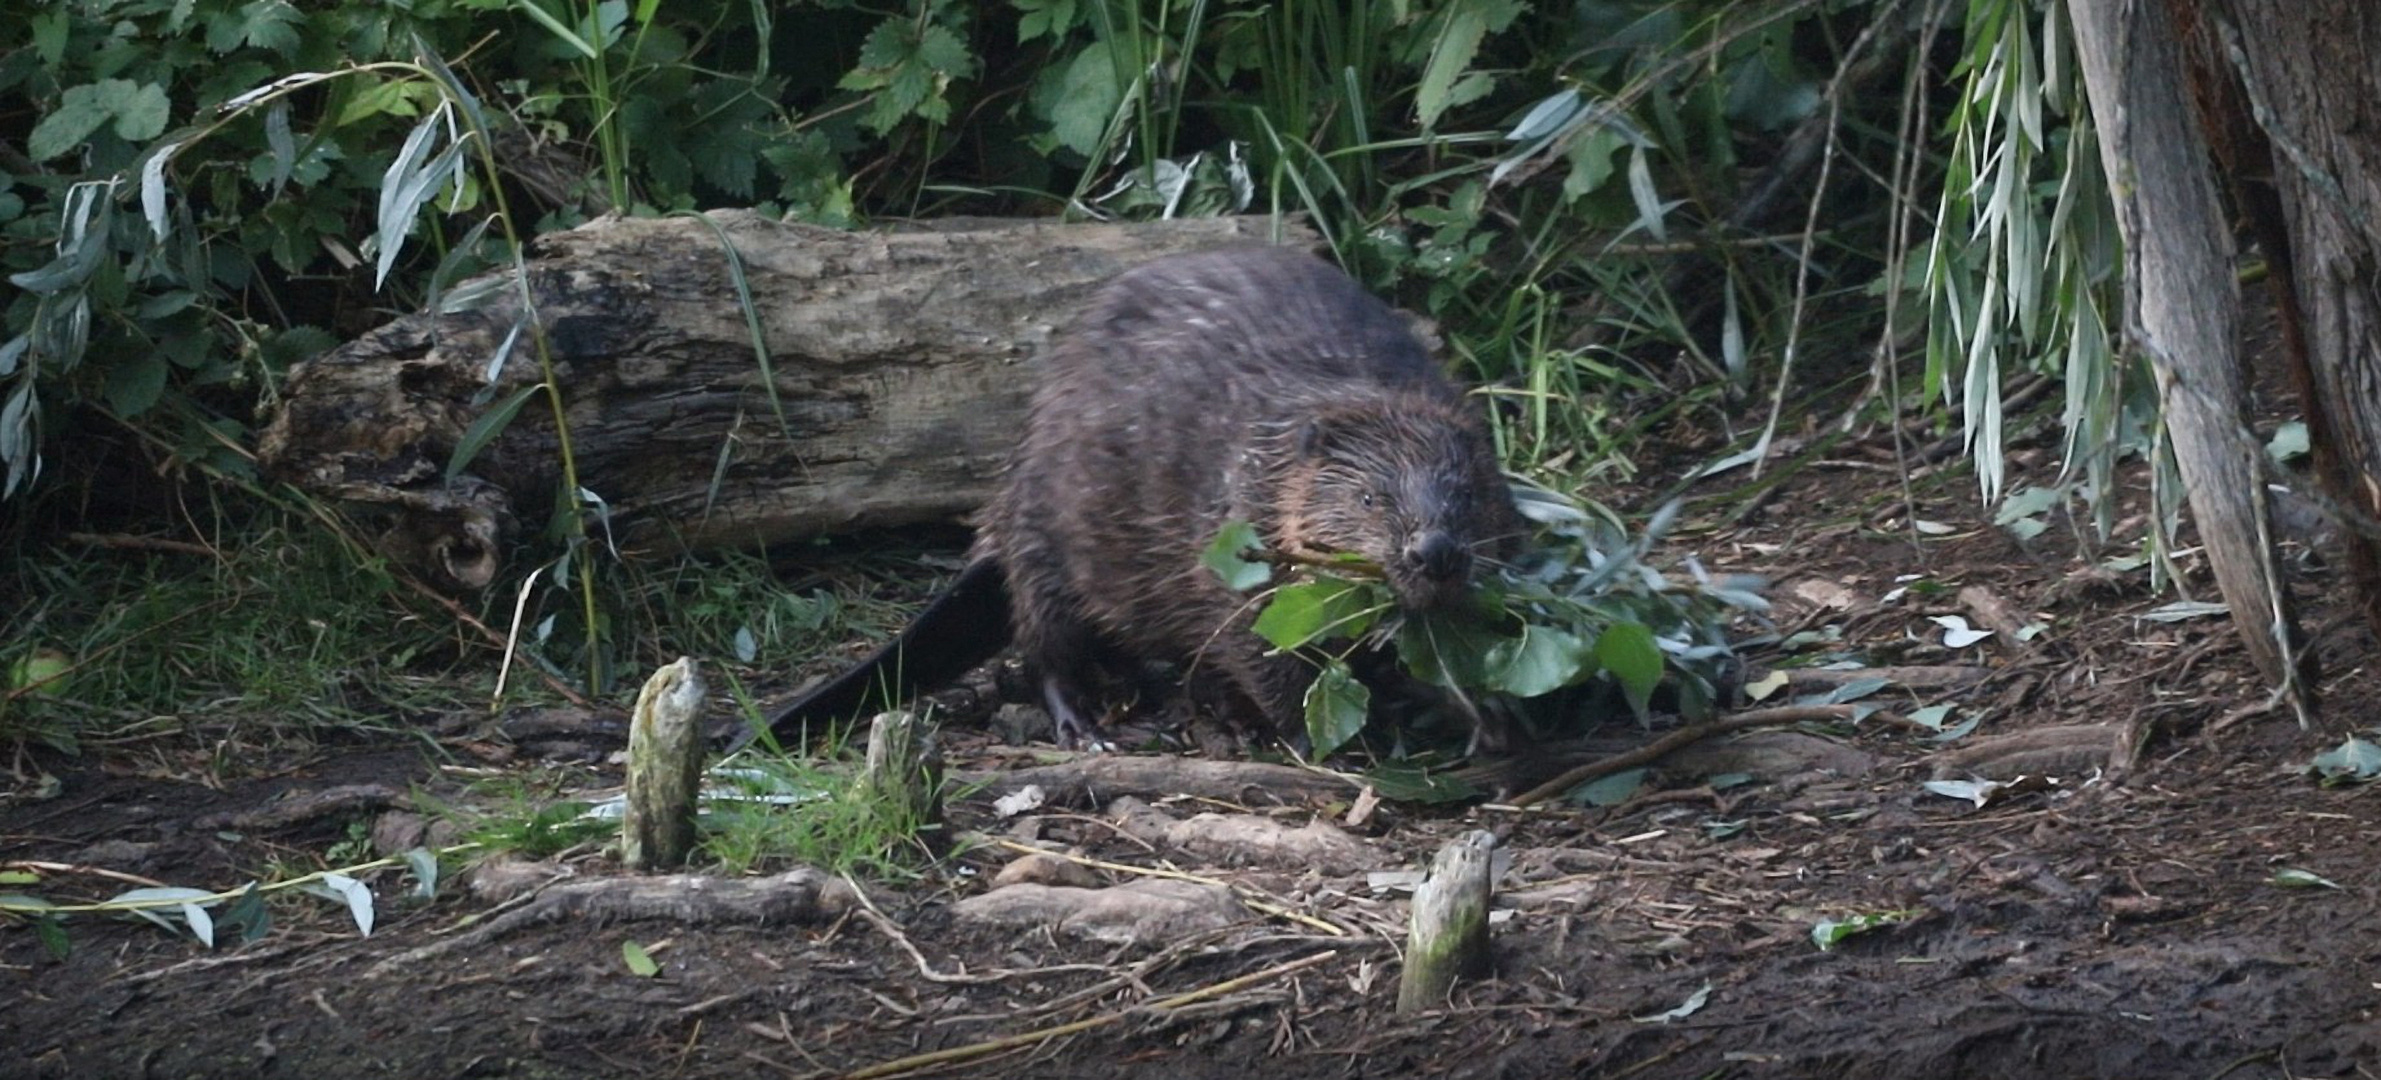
x=494 y=638
x=1657 y=749
x=122 y=542
x=973 y=1051
x=75 y=868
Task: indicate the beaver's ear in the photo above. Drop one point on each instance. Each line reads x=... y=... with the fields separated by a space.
x=1320 y=436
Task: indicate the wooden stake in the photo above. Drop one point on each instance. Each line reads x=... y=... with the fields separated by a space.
x=665 y=769
x=1448 y=937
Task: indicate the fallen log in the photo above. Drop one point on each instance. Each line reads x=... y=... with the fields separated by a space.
x=897 y=360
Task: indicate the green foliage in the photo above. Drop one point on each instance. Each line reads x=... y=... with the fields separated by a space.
x=283 y=629
x=780 y=810
x=2024 y=262
x=1582 y=605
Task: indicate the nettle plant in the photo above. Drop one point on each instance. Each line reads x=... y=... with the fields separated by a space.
x=1582 y=605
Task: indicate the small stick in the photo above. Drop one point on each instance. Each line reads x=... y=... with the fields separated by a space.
x=665 y=769
x=1447 y=937
x=976 y=1050
x=1693 y=733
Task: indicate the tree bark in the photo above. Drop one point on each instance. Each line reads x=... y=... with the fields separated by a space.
x=2307 y=74
x=899 y=361
x=2184 y=306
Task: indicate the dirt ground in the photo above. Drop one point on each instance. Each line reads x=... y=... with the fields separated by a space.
x=2124 y=921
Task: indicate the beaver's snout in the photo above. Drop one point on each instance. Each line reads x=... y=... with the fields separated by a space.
x=1439 y=557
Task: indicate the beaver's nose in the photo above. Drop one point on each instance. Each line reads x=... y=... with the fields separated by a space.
x=1438 y=556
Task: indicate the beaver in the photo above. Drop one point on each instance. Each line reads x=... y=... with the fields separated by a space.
x=1253 y=384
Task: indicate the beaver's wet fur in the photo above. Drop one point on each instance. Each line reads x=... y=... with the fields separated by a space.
x=1252 y=384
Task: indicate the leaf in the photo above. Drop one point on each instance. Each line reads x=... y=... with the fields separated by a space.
x=153 y=188
x=1627 y=650
x=1336 y=706
x=1542 y=660
x=249 y=913
x=1087 y=99
x=1311 y=610
x=1641 y=191
x=201 y=927
x=1760 y=689
x=424 y=864
x=1692 y=1005
x=2181 y=610
x=1590 y=157
x=1468 y=23
x=409 y=184
x=135 y=383
x=1956 y=632
x=358 y=898
x=2353 y=761
x=279 y=141
x=1979 y=792
x=51 y=932
x=1931 y=716
x=1610 y=790
x=1830 y=932
x=1852 y=691
x=1223 y=556
x=2294 y=878
x=562 y=32
x=2289 y=441
x=640 y=964
x=485 y=429
x=81 y=110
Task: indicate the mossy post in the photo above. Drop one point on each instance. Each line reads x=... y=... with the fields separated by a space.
x=665 y=769
x=1448 y=936
x=904 y=770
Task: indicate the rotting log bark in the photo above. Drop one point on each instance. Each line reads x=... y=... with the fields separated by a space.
x=2185 y=308
x=897 y=359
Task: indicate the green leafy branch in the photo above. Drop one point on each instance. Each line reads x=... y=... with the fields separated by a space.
x=1583 y=604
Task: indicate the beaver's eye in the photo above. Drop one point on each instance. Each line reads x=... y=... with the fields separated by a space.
x=1366 y=499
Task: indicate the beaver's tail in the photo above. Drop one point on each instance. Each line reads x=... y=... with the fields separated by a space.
x=967 y=624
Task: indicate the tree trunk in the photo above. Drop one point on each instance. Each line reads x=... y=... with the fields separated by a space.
x=2307 y=75
x=2184 y=306
x=898 y=361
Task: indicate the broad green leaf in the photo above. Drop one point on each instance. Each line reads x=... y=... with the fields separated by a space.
x=1310 y=610
x=1336 y=705
x=1541 y=660
x=249 y=913
x=1610 y=790
x=640 y=963
x=1468 y=22
x=135 y=383
x=1224 y=557
x=81 y=110
x=1627 y=650
x=1087 y=99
